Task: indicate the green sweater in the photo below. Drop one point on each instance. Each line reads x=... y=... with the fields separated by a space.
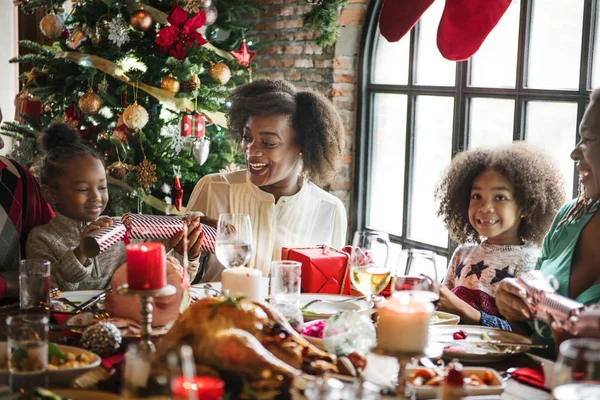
x=556 y=259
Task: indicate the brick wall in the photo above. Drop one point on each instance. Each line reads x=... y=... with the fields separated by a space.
x=293 y=55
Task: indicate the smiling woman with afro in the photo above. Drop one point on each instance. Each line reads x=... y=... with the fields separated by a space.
x=292 y=141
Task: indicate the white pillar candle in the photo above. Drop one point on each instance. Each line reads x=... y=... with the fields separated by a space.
x=242 y=281
x=403 y=325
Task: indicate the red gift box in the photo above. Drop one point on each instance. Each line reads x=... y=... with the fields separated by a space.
x=323 y=269
x=192 y=124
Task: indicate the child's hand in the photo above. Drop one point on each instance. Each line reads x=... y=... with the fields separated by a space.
x=194 y=239
x=449 y=302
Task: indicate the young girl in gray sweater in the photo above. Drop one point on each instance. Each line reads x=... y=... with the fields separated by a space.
x=73 y=180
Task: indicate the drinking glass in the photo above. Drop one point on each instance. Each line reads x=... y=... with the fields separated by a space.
x=285 y=291
x=370 y=271
x=137 y=371
x=416 y=275
x=27 y=351
x=34 y=286
x=577 y=370
x=234 y=240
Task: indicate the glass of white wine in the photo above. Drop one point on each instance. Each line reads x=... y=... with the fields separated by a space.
x=577 y=370
x=369 y=268
x=233 y=245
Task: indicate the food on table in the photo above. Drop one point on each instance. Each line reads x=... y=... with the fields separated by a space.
x=72 y=361
x=246 y=340
x=454 y=384
x=57 y=359
x=460 y=335
x=437 y=376
x=314 y=328
x=166 y=309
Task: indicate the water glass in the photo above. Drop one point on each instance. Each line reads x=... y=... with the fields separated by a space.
x=577 y=370
x=233 y=245
x=27 y=351
x=136 y=374
x=34 y=286
x=285 y=282
x=416 y=275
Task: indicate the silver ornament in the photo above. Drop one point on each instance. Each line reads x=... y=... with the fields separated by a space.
x=102 y=338
x=211 y=15
x=118 y=31
x=200 y=150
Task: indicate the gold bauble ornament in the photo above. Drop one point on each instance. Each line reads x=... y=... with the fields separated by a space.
x=135 y=116
x=170 y=83
x=118 y=169
x=220 y=72
x=90 y=103
x=141 y=20
x=104 y=136
x=145 y=173
x=52 y=26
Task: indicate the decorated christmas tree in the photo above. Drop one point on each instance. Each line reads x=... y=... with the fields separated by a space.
x=144 y=83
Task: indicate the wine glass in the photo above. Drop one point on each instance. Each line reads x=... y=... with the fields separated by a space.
x=369 y=268
x=416 y=275
x=577 y=370
x=233 y=245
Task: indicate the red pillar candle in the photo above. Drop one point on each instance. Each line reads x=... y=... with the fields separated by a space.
x=146 y=266
x=204 y=388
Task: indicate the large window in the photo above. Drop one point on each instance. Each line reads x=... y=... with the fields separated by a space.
x=529 y=81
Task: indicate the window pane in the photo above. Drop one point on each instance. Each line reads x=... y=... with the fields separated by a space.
x=490 y=122
x=431 y=67
x=432 y=150
x=555 y=44
x=495 y=63
x=595 y=53
x=387 y=170
x=391 y=61
x=552 y=126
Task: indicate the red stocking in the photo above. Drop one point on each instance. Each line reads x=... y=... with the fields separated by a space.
x=397 y=17
x=465 y=24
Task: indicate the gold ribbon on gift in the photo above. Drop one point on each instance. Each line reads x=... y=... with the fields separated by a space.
x=162 y=95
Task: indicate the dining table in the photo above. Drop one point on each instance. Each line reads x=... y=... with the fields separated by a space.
x=513 y=388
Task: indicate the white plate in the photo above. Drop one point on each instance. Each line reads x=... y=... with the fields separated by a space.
x=128 y=327
x=79 y=296
x=444 y=318
x=430 y=392
x=56 y=377
x=324 y=310
x=474 y=348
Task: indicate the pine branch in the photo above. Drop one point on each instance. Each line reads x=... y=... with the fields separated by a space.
x=16 y=130
x=323 y=19
x=29 y=58
x=41 y=49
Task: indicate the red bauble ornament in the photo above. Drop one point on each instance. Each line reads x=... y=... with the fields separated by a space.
x=243 y=55
x=177 y=193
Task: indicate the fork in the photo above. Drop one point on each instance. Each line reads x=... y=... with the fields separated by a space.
x=310 y=303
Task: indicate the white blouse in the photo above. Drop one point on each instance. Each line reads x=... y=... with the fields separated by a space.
x=310 y=217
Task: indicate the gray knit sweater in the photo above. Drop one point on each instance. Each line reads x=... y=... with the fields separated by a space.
x=56 y=241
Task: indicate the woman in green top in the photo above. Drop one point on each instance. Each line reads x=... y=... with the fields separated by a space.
x=570 y=251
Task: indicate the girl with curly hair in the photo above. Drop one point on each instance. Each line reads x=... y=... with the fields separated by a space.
x=499 y=204
x=292 y=142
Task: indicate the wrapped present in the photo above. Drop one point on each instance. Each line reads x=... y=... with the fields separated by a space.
x=324 y=269
x=103 y=238
x=192 y=124
x=139 y=226
x=27 y=104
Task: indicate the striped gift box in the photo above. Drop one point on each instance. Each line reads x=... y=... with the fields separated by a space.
x=139 y=226
x=103 y=238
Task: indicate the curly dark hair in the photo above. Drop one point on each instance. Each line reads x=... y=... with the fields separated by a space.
x=538 y=186
x=61 y=143
x=318 y=126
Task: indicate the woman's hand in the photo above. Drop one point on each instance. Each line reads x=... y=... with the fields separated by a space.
x=92 y=226
x=559 y=334
x=449 y=302
x=510 y=299
x=194 y=239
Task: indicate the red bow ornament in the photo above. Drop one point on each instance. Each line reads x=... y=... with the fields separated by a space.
x=175 y=38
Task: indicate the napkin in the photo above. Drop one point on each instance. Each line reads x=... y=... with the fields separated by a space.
x=111 y=361
x=530 y=376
